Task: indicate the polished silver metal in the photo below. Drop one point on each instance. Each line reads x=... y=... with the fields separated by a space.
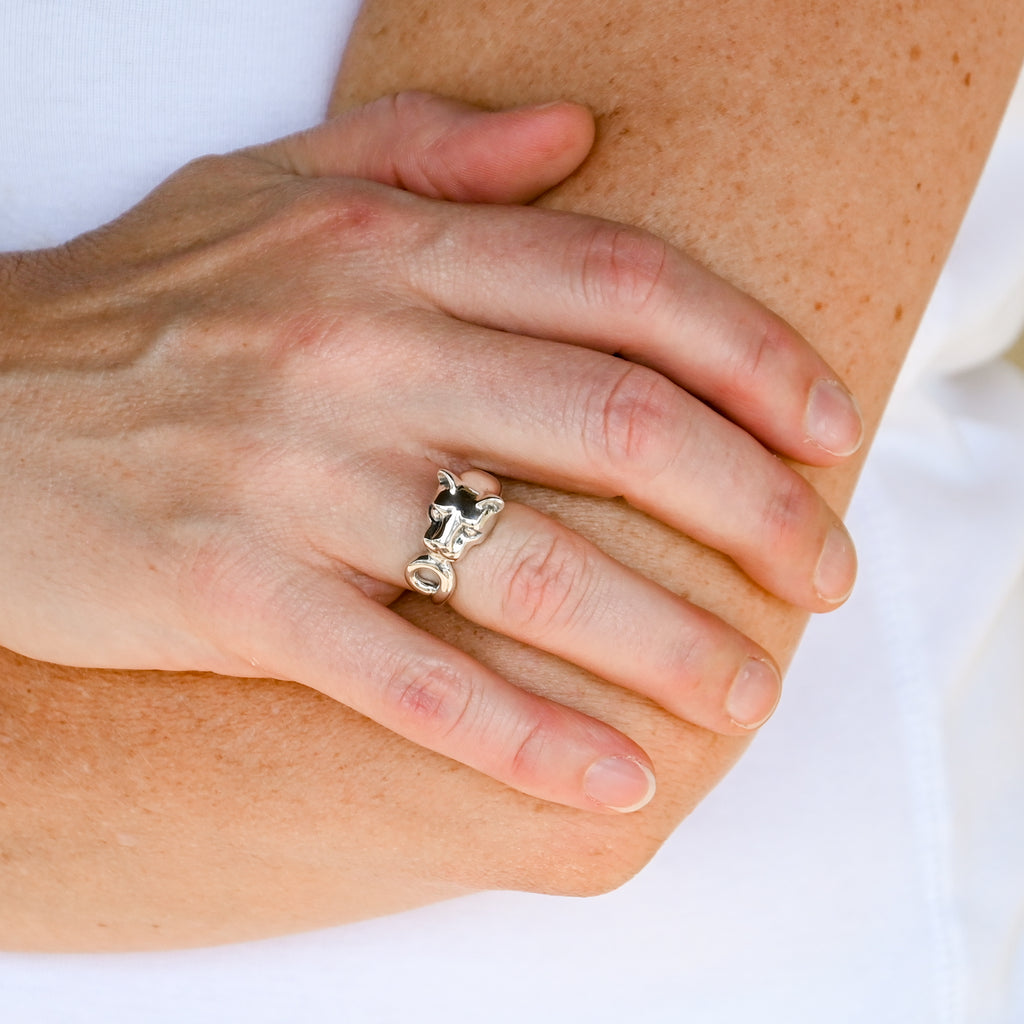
x=460 y=518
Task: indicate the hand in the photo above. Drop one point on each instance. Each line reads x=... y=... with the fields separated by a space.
x=225 y=411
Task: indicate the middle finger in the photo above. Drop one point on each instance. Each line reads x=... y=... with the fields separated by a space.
x=571 y=418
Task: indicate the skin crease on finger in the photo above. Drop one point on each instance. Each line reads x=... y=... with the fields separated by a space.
x=203 y=810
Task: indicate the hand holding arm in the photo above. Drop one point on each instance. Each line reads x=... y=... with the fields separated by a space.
x=803 y=151
x=235 y=400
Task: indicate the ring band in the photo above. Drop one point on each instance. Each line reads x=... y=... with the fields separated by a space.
x=459 y=519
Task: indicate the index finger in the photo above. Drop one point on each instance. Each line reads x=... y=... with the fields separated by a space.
x=567 y=277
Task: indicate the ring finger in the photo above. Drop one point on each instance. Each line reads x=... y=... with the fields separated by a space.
x=539 y=582
x=543 y=584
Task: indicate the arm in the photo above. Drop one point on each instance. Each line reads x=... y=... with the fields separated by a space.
x=819 y=156
x=216 y=810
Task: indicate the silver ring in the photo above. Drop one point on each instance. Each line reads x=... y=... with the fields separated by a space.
x=460 y=518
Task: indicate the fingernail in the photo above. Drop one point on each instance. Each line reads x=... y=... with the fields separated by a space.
x=619 y=783
x=832 y=420
x=754 y=694
x=837 y=567
x=534 y=107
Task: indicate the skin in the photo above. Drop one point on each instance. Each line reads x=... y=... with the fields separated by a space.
x=194 y=809
x=175 y=393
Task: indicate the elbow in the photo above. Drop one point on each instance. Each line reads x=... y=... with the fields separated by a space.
x=593 y=862
x=564 y=852
x=560 y=852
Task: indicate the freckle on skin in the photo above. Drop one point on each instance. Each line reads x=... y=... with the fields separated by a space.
x=967 y=79
x=956 y=57
x=898 y=315
x=915 y=52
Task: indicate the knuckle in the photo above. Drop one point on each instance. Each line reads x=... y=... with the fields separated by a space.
x=791 y=509
x=410 y=108
x=689 y=660
x=528 y=754
x=420 y=161
x=236 y=595
x=623 y=266
x=636 y=426
x=429 y=699
x=766 y=349
x=349 y=216
x=547 y=587
x=216 y=182
x=210 y=166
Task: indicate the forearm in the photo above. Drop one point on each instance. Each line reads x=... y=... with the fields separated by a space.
x=157 y=810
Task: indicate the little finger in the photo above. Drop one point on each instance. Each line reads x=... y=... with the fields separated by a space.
x=514 y=570
x=329 y=636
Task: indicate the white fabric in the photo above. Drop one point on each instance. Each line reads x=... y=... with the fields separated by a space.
x=102 y=99
x=863 y=862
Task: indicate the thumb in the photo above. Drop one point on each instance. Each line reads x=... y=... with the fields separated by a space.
x=444 y=149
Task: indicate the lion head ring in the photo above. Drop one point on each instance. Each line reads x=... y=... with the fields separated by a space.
x=459 y=519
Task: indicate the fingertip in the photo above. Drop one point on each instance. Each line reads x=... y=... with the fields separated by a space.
x=620 y=784
x=754 y=694
x=832 y=419
x=553 y=138
x=515 y=155
x=836 y=571
x=570 y=122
